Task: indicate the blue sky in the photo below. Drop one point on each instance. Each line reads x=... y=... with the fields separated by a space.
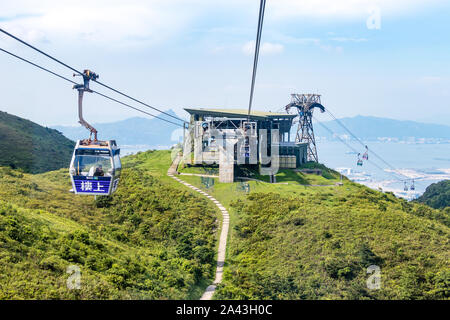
x=198 y=53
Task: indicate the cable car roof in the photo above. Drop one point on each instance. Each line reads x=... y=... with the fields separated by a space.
x=111 y=144
x=255 y=115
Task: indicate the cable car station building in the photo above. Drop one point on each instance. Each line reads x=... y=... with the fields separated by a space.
x=230 y=138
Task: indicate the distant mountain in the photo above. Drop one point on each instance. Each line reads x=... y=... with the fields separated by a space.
x=31 y=147
x=372 y=128
x=132 y=131
x=154 y=132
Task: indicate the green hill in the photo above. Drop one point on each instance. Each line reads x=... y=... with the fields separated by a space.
x=318 y=246
x=31 y=147
x=156 y=239
x=151 y=240
x=293 y=241
x=437 y=195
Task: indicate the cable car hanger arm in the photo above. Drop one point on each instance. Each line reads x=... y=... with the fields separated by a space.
x=87 y=76
x=83 y=122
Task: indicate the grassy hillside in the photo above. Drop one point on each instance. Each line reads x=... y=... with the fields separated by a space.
x=156 y=239
x=304 y=246
x=437 y=195
x=31 y=147
x=151 y=240
x=290 y=241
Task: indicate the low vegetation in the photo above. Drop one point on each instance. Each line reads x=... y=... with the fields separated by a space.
x=292 y=240
x=286 y=176
x=156 y=239
x=437 y=195
x=150 y=240
x=303 y=246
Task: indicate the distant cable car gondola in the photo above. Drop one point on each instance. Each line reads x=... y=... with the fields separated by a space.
x=366 y=154
x=359 y=162
x=95 y=167
x=412 y=186
x=405 y=187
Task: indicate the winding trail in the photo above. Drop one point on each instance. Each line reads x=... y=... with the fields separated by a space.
x=209 y=292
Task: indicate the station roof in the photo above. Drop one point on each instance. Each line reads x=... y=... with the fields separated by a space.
x=240 y=113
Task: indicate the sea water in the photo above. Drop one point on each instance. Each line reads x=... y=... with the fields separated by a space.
x=424 y=163
x=403 y=162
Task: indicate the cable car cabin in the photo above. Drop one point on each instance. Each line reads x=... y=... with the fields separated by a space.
x=359 y=162
x=366 y=154
x=95 y=167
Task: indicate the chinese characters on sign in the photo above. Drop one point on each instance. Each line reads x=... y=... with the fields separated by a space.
x=92 y=186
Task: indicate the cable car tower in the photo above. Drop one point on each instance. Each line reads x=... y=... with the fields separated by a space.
x=304 y=105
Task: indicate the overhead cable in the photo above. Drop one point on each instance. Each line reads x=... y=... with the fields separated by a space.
x=73 y=82
x=255 y=59
x=80 y=73
x=364 y=145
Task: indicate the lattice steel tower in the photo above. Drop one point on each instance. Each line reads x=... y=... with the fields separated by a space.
x=304 y=105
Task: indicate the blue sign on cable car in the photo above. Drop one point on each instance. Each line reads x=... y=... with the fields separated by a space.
x=95 y=185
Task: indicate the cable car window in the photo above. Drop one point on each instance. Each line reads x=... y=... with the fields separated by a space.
x=117 y=165
x=93 y=165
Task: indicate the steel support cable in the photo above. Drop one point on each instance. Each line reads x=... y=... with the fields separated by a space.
x=73 y=82
x=357 y=139
x=80 y=73
x=364 y=145
x=129 y=106
x=40 y=51
x=262 y=7
x=353 y=149
x=138 y=101
x=37 y=66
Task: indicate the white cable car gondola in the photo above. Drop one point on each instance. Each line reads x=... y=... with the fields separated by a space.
x=95 y=167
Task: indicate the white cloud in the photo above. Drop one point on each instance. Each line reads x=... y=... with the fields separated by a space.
x=99 y=21
x=344 y=8
x=266 y=48
x=294 y=40
x=120 y=23
x=431 y=80
x=331 y=49
x=323 y=44
x=344 y=39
